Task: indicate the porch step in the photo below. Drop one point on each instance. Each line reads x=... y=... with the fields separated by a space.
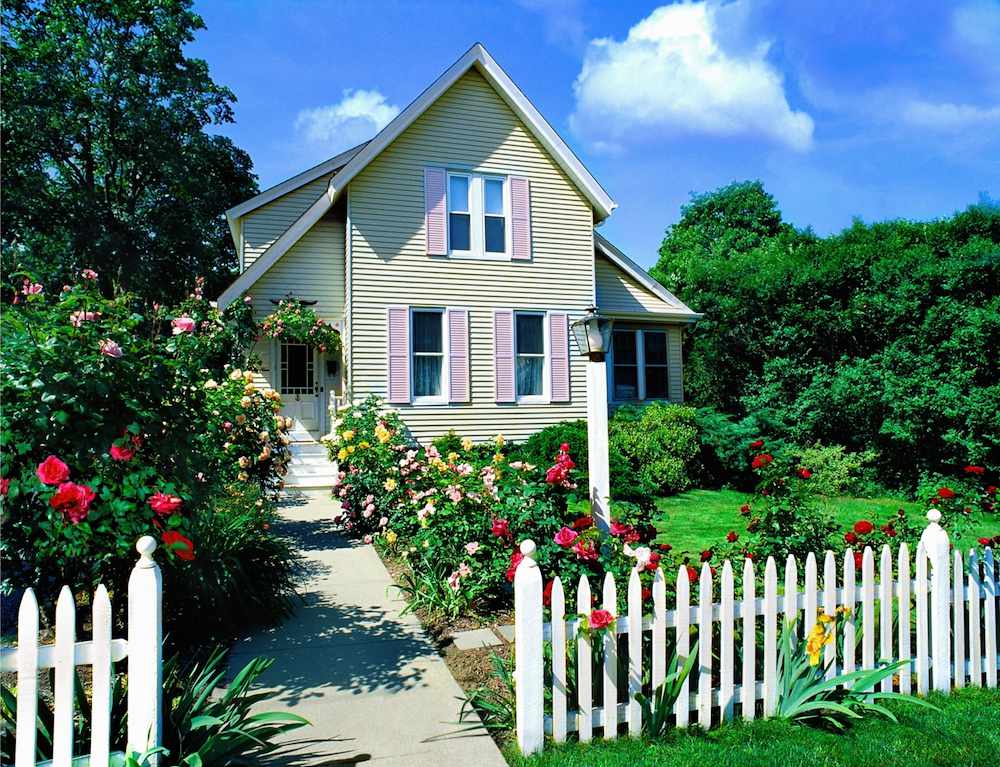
x=310 y=466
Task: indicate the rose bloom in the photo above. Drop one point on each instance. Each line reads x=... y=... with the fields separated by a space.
x=863 y=527
x=73 y=501
x=471 y=547
x=805 y=473
x=89 y=274
x=164 y=504
x=762 y=460
x=585 y=551
x=110 y=349
x=850 y=538
x=600 y=619
x=757 y=444
x=945 y=492
x=4 y=486
x=582 y=523
x=52 y=471
x=706 y=555
x=177 y=543
x=500 y=528
x=515 y=560
x=976 y=470
x=121 y=453
x=731 y=536
x=565 y=537
x=182 y=325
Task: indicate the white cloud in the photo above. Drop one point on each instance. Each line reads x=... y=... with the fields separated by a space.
x=563 y=20
x=946 y=116
x=673 y=75
x=975 y=25
x=358 y=116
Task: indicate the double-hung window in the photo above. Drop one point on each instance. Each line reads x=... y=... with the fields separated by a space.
x=428 y=358
x=531 y=358
x=639 y=367
x=478 y=215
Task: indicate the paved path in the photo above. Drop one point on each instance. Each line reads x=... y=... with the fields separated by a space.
x=369 y=679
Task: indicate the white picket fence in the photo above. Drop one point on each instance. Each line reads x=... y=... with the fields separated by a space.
x=950 y=641
x=145 y=669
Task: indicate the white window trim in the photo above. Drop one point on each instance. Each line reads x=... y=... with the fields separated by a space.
x=546 y=396
x=443 y=398
x=477 y=215
x=640 y=360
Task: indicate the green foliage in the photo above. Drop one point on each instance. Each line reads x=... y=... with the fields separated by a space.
x=658 y=707
x=106 y=159
x=835 y=470
x=542 y=445
x=878 y=339
x=494 y=701
x=296 y=323
x=654 y=448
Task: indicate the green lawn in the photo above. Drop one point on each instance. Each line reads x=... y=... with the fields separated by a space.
x=966 y=731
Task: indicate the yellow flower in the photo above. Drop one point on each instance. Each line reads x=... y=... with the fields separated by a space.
x=245 y=402
x=236 y=375
x=452 y=457
x=348 y=435
x=390 y=537
x=341 y=454
x=467 y=444
x=382 y=434
x=390 y=484
x=498 y=458
x=248 y=376
x=364 y=445
x=350 y=449
x=821 y=635
x=500 y=441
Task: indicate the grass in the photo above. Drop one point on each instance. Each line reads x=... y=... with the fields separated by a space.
x=698 y=519
x=966 y=731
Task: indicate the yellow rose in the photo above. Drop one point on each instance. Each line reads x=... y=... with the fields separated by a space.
x=382 y=434
x=350 y=449
x=247 y=376
x=245 y=402
x=341 y=454
x=467 y=443
x=390 y=484
x=236 y=375
x=390 y=537
x=452 y=457
x=364 y=445
x=348 y=435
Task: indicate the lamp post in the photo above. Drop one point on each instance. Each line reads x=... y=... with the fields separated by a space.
x=593 y=338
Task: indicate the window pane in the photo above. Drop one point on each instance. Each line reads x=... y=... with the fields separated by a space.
x=530 y=338
x=656 y=382
x=459 y=231
x=493 y=194
x=458 y=194
x=655 y=347
x=427 y=332
x=295 y=367
x=623 y=347
x=494 y=235
x=529 y=375
x=427 y=376
x=626 y=382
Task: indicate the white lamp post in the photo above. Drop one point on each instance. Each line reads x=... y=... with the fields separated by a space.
x=593 y=337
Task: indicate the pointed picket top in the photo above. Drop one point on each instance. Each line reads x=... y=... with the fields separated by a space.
x=634 y=710
x=749 y=676
x=791 y=612
x=559 y=680
x=100 y=730
x=770 y=636
x=65 y=678
x=610 y=640
x=903 y=598
x=27 y=680
x=683 y=642
x=584 y=666
x=726 y=642
x=830 y=608
x=659 y=671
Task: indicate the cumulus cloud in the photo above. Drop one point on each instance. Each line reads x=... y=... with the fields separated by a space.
x=946 y=116
x=676 y=73
x=358 y=116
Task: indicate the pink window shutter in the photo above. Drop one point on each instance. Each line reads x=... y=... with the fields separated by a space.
x=559 y=356
x=503 y=354
x=458 y=355
x=520 y=218
x=398 y=327
x=435 y=215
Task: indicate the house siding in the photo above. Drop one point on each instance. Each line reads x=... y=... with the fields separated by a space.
x=263 y=226
x=467 y=127
x=620 y=292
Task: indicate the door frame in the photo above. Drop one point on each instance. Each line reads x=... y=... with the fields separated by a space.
x=319 y=380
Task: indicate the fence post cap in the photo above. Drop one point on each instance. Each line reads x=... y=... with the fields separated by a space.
x=528 y=548
x=145 y=546
x=934 y=516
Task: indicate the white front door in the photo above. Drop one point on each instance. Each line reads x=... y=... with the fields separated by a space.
x=299 y=385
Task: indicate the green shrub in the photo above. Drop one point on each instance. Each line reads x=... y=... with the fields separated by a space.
x=835 y=470
x=657 y=445
x=541 y=446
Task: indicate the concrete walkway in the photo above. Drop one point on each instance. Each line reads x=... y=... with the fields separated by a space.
x=368 y=679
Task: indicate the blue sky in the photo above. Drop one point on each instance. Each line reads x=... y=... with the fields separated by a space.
x=879 y=109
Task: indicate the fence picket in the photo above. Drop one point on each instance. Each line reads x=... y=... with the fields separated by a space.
x=920 y=594
x=705 y=647
x=885 y=613
x=868 y=609
x=634 y=652
x=584 y=668
x=791 y=611
x=726 y=639
x=683 y=640
x=100 y=728
x=610 y=662
x=27 y=679
x=558 y=662
x=770 y=636
x=850 y=617
x=990 y=581
x=958 y=617
x=65 y=677
x=529 y=661
x=975 y=625
x=810 y=603
x=659 y=628
x=749 y=681
x=903 y=569
x=830 y=608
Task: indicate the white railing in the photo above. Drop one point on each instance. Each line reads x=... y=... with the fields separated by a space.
x=142 y=649
x=950 y=639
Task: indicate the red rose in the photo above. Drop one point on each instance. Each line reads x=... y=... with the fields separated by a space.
x=850 y=538
x=665 y=547
x=4 y=486
x=647 y=593
x=731 y=536
x=177 y=543
x=977 y=470
x=585 y=550
x=72 y=501
x=762 y=460
x=692 y=574
x=52 y=471
x=500 y=528
x=654 y=561
x=985 y=541
x=804 y=473
x=991 y=490
x=859 y=559
x=757 y=444
x=745 y=509
x=515 y=560
x=564 y=447
x=863 y=527
x=618 y=529
x=547 y=593
x=945 y=492
x=600 y=619
x=706 y=555
x=164 y=504
x=583 y=523
x=121 y=453
x=565 y=537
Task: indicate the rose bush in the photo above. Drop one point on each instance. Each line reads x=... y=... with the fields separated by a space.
x=114 y=426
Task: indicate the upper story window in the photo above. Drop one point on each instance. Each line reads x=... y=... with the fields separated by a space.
x=529 y=348
x=427 y=351
x=639 y=368
x=478 y=215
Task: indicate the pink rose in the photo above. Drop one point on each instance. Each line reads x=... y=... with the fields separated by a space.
x=565 y=537
x=600 y=619
x=182 y=325
x=72 y=501
x=515 y=560
x=500 y=528
x=52 y=471
x=110 y=349
x=472 y=547
x=164 y=504
x=585 y=550
x=89 y=274
x=121 y=453
x=4 y=486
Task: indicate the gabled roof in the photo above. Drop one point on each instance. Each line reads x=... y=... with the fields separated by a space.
x=478 y=57
x=678 y=308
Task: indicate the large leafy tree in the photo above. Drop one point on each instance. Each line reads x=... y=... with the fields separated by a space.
x=106 y=160
x=882 y=337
